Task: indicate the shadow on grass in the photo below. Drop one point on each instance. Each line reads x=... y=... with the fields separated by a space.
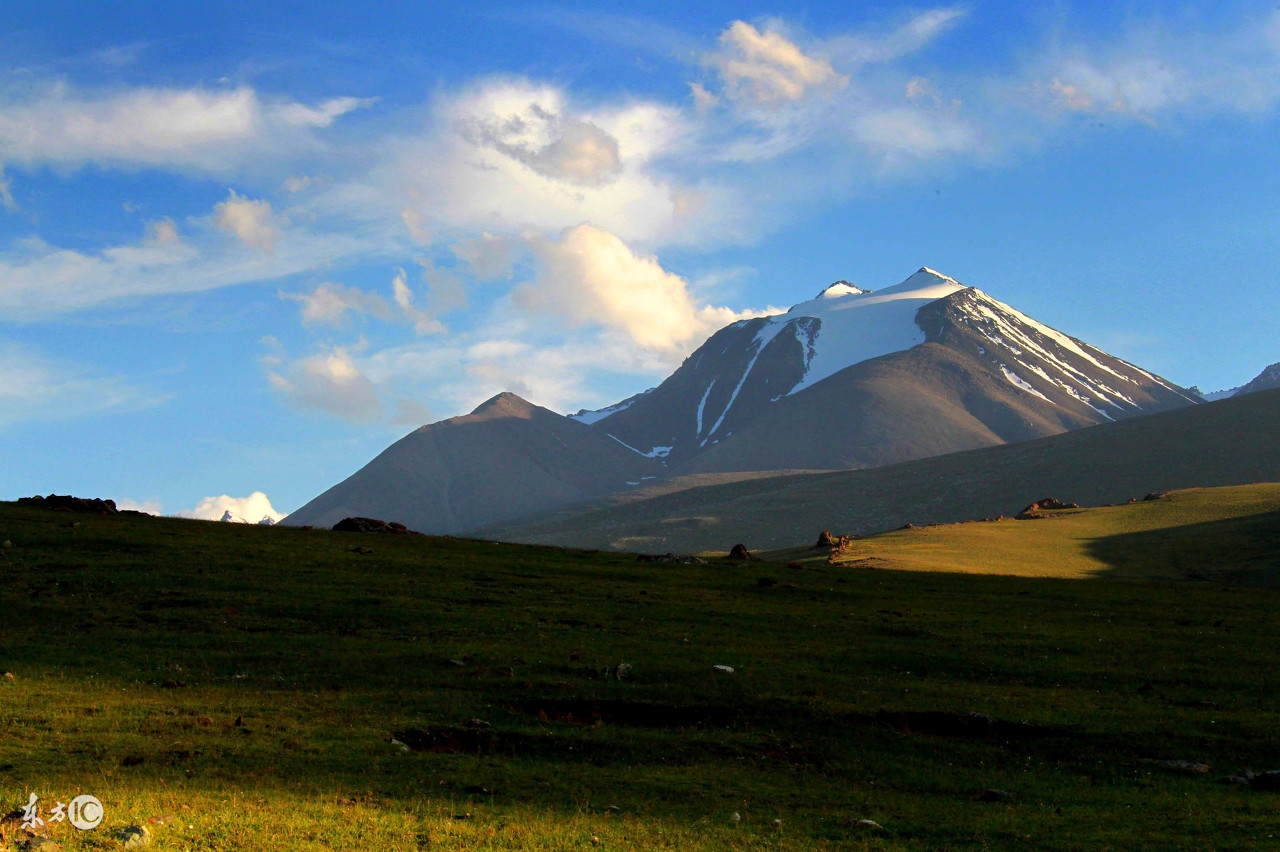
x=1238 y=551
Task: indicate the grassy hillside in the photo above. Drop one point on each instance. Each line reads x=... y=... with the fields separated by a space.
x=1227 y=535
x=270 y=688
x=1231 y=442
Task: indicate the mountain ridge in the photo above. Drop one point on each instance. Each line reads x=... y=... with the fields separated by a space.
x=852 y=378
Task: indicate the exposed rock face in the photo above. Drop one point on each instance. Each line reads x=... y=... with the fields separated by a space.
x=1038 y=508
x=67 y=503
x=1266 y=380
x=371 y=525
x=740 y=552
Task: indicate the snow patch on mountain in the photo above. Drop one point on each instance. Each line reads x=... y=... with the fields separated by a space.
x=655 y=453
x=702 y=404
x=855 y=325
x=589 y=417
x=1018 y=381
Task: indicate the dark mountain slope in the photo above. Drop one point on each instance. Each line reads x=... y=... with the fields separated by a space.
x=1231 y=442
x=506 y=459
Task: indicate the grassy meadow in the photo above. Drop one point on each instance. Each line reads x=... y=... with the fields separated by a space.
x=1227 y=535
x=272 y=688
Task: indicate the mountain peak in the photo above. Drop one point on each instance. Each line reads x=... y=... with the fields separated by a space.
x=505 y=404
x=841 y=288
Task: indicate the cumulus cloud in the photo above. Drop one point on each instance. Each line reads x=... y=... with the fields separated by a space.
x=248 y=219
x=329 y=303
x=329 y=382
x=251 y=509
x=536 y=131
x=765 y=67
x=34 y=387
x=508 y=154
x=591 y=277
x=150 y=507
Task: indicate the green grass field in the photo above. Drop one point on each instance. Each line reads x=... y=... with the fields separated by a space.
x=274 y=688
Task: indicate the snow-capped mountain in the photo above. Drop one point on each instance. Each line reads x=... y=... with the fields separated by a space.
x=229 y=517
x=758 y=368
x=852 y=378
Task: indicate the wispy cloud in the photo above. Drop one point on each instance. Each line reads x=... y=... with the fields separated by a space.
x=34 y=387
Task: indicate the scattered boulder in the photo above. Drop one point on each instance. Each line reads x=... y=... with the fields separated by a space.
x=1157 y=495
x=134 y=836
x=741 y=553
x=1256 y=780
x=722 y=669
x=825 y=539
x=67 y=503
x=1046 y=504
x=1189 y=767
x=372 y=525
x=767 y=581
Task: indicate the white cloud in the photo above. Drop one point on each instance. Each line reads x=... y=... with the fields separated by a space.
x=508 y=155
x=329 y=382
x=413 y=223
x=151 y=507
x=765 y=67
x=490 y=258
x=6 y=192
x=162 y=232
x=423 y=321
x=329 y=303
x=1150 y=70
x=590 y=277
x=144 y=126
x=248 y=219
x=252 y=509
x=37 y=279
x=298 y=115
x=218 y=131
x=37 y=388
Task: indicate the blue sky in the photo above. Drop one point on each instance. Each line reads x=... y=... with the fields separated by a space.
x=242 y=249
